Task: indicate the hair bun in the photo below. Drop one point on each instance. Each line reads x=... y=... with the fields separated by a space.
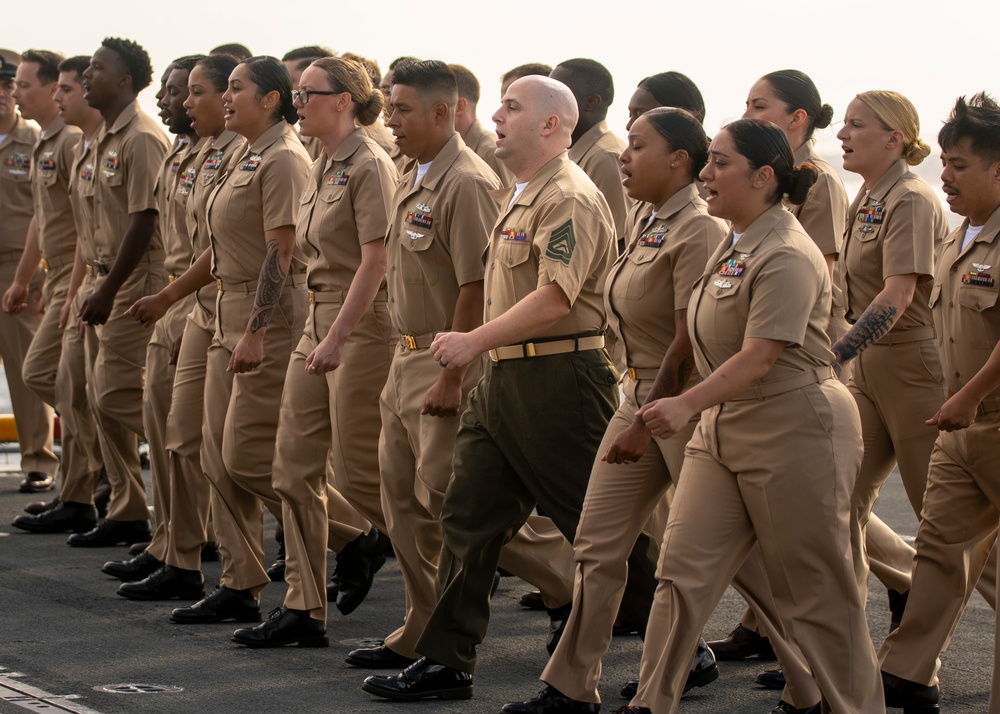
x=916 y=152
x=824 y=117
x=802 y=179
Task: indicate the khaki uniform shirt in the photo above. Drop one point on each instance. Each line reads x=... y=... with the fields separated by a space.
x=598 y=152
x=436 y=238
x=774 y=284
x=484 y=143
x=558 y=230
x=344 y=205
x=894 y=230
x=51 y=169
x=964 y=299
x=15 y=188
x=260 y=192
x=653 y=278
x=173 y=189
x=81 y=195
x=128 y=158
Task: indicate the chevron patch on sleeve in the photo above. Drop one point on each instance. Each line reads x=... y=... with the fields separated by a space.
x=562 y=242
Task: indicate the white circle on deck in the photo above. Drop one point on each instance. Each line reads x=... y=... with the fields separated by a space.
x=137 y=688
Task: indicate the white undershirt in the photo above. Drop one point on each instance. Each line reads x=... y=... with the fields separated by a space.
x=736 y=239
x=3 y=138
x=649 y=222
x=518 y=187
x=421 y=172
x=970 y=235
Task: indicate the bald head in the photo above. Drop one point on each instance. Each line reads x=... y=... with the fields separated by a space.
x=542 y=97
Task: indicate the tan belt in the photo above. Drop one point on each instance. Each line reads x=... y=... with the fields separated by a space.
x=544 y=349
x=915 y=335
x=326 y=296
x=641 y=373
x=780 y=386
x=990 y=404
x=57 y=262
x=249 y=286
x=416 y=342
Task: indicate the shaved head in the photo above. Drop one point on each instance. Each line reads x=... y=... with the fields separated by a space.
x=543 y=96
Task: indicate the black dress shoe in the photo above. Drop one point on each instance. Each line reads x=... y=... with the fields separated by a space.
x=102 y=494
x=911 y=697
x=333 y=587
x=704 y=671
x=76 y=517
x=557 y=625
x=139 y=567
x=626 y=709
x=551 y=701
x=424 y=679
x=167 y=583
x=897 y=606
x=786 y=708
x=210 y=552
x=36 y=508
x=380 y=657
x=109 y=533
x=532 y=600
x=622 y=627
x=357 y=564
x=37 y=482
x=224 y=604
x=284 y=627
x=740 y=644
x=771 y=679
x=138 y=548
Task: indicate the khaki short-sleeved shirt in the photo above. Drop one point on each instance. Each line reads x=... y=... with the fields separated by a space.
x=964 y=300
x=774 y=284
x=51 y=170
x=436 y=238
x=345 y=204
x=893 y=230
x=484 y=143
x=128 y=160
x=597 y=152
x=558 y=230
x=209 y=166
x=260 y=192
x=653 y=278
x=81 y=195
x=173 y=190
x=15 y=186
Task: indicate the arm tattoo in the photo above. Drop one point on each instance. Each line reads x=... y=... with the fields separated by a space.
x=873 y=325
x=269 y=284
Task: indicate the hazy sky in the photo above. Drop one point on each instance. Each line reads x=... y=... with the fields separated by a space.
x=930 y=53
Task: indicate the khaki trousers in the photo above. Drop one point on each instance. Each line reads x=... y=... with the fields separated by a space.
x=957 y=530
x=81 y=448
x=159 y=387
x=189 y=489
x=329 y=419
x=42 y=360
x=528 y=437
x=620 y=499
x=240 y=424
x=778 y=472
x=116 y=391
x=33 y=417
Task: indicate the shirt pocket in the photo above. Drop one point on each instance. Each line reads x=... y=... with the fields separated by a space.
x=420 y=264
x=239 y=190
x=722 y=310
x=631 y=281
x=330 y=203
x=864 y=257
x=975 y=300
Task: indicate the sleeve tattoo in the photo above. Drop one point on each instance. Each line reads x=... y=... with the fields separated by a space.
x=873 y=325
x=269 y=285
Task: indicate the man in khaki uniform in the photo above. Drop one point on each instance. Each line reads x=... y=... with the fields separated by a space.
x=173 y=187
x=441 y=217
x=962 y=502
x=595 y=149
x=475 y=136
x=129 y=264
x=519 y=445
x=33 y=417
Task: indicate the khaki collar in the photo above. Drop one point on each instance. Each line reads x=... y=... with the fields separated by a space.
x=889 y=179
x=586 y=142
x=269 y=137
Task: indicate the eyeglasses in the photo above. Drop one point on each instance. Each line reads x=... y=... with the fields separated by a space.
x=303 y=94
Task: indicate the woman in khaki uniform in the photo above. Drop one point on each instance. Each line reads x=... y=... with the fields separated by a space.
x=778 y=446
x=260 y=313
x=670 y=238
x=666 y=89
x=329 y=408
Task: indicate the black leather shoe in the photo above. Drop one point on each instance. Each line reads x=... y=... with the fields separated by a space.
x=551 y=701
x=76 y=517
x=622 y=627
x=37 y=482
x=704 y=671
x=380 y=657
x=284 y=627
x=532 y=600
x=224 y=604
x=102 y=494
x=897 y=606
x=167 y=583
x=786 y=708
x=138 y=548
x=139 y=567
x=210 y=552
x=37 y=508
x=109 y=533
x=557 y=626
x=631 y=710
x=333 y=587
x=357 y=564
x=740 y=644
x=771 y=679
x=911 y=697
x=424 y=679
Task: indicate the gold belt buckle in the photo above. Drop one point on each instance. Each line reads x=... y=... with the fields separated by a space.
x=172 y=277
x=631 y=372
x=410 y=341
x=494 y=355
x=312 y=296
x=45 y=265
x=90 y=270
x=218 y=284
